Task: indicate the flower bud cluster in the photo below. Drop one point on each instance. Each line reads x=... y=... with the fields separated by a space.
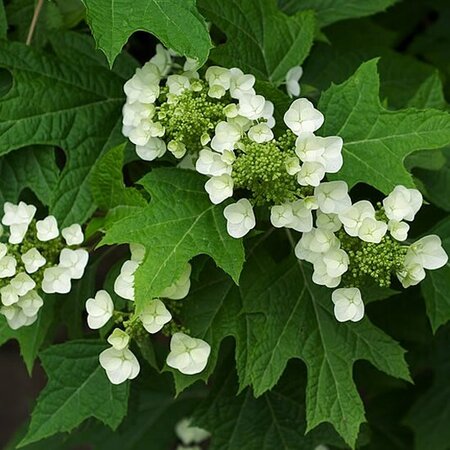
x=352 y=244
x=35 y=257
x=188 y=355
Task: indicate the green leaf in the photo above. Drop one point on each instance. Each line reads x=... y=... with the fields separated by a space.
x=329 y=11
x=32 y=338
x=430 y=94
x=275 y=420
x=34 y=168
x=82 y=116
x=430 y=414
x=179 y=223
x=77 y=389
x=436 y=286
x=108 y=187
x=261 y=40
x=3 y=22
x=178 y=25
x=376 y=140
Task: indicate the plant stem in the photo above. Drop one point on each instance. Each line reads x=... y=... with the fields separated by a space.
x=37 y=11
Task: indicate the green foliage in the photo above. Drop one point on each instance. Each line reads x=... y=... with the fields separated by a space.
x=178 y=25
x=375 y=138
x=329 y=11
x=255 y=29
x=77 y=389
x=173 y=229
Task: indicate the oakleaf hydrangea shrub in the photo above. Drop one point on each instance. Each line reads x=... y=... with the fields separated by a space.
x=212 y=210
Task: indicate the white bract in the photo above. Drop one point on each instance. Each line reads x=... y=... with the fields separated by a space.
x=303 y=117
x=144 y=85
x=188 y=355
x=100 y=309
x=120 y=365
x=240 y=218
x=47 y=229
x=17 y=233
x=124 y=284
x=226 y=135
x=33 y=260
x=22 y=283
x=56 y=280
x=75 y=261
x=18 y=214
x=154 y=316
x=398 y=230
x=189 y=434
x=348 y=304
x=251 y=106
x=260 y=133
x=213 y=163
x=332 y=197
x=118 y=339
x=402 y=203
x=428 y=252
x=154 y=148
x=219 y=188
x=180 y=288
x=353 y=217
x=9 y=295
x=329 y=222
x=292 y=81
x=7 y=266
x=240 y=83
x=372 y=230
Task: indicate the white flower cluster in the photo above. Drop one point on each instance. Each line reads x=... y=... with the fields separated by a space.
x=188 y=355
x=320 y=245
x=35 y=258
x=190 y=435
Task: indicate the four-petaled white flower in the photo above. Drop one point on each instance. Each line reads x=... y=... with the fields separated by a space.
x=241 y=83
x=213 y=163
x=73 y=235
x=372 y=230
x=154 y=148
x=120 y=365
x=75 y=261
x=219 y=188
x=119 y=339
x=402 y=203
x=56 y=280
x=303 y=117
x=353 y=217
x=7 y=266
x=398 y=230
x=154 y=316
x=348 y=304
x=100 y=309
x=188 y=355
x=17 y=233
x=18 y=214
x=251 y=106
x=226 y=136
x=47 y=229
x=260 y=133
x=144 y=85
x=240 y=218
x=428 y=252
x=22 y=283
x=332 y=197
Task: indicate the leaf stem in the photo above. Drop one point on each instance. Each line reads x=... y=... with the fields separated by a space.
x=37 y=11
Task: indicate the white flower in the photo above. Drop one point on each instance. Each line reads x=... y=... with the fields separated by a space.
x=219 y=188
x=372 y=230
x=180 y=288
x=134 y=113
x=402 y=203
x=302 y=116
x=260 y=133
x=292 y=165
x=9 y=295
x=240 y=83
x=30 y=304
x=412 y=272
x=348 y=304
x=302 y=219
x=75 y=261
x=178 y=149
x=154 y=316
x=124 y=284
x=281 y=215
x=189 y=434
x=144 y=85
x=33 y=260
x=100 y=309
x=47 y=229
x=226 y=136
x=137 y=253
x=292 y=77
x=56 y=280
x=428 y=252
x=22 y=283
x=329 y=222
x=212 y=164
x=15 y=317
x=251 y=106
x=17 y=233
x=240 y=218
x=73 y=235
x=7 y=266
x=321 y=276
x=311 y=174
x=323 y=241
x=332 y=197
x=188 y=355
x=18 y=214
x=154 y=148
x=398 y=230
x=336 y=261
x=162 y=60
x=267 y=114
x=120 y=365
x=353 y=217
x=118 y=339
x=3 y=249
x=302 y=249
x=177 y=84
x=146 y=130
x=218 y=76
